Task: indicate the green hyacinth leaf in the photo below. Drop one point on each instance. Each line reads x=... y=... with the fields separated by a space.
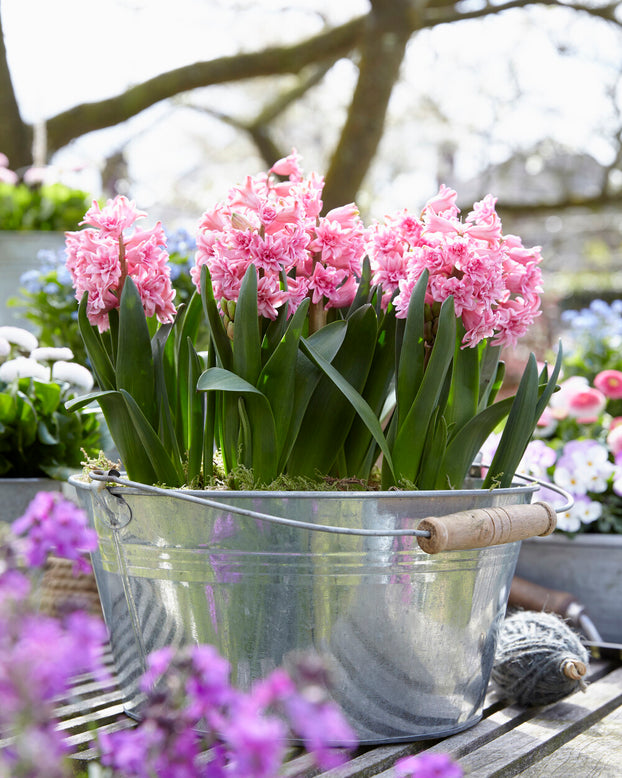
x=166 y=425
x=134 y=366
x=330 y=414
x=246 y=337
x=220 y=339
x=101 y=363
x=490 y=378
x=135 y=459
x=464 y=391
x=360 y=449
x=166 y=471
x=261 y=420
x=464 y=446
x=551 y=384
x=194 y=414
x=411 y=349
x=517 y=431
x=326 y=341
x=278 y=377
x=354 y=398
x=411 y=433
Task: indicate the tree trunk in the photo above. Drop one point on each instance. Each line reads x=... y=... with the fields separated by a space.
x=15 y=134
x=389 y=27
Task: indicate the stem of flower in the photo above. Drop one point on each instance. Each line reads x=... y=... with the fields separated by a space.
x=317 y=317
x=123 y=264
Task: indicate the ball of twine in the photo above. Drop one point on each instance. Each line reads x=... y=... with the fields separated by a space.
x=539 y=659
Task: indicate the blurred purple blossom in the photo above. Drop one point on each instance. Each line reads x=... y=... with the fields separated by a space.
x=53 y=524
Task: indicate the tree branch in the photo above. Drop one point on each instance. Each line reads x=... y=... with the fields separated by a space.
x=436 y=14
x=258 y=128
x=387 y=32
x=278 y=60
x=517 y=208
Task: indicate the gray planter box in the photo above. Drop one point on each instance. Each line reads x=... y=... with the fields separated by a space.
x=18 y=253
x=588 y=566
x=16 y=493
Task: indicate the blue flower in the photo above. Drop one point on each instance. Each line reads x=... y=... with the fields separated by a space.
x=30 y=280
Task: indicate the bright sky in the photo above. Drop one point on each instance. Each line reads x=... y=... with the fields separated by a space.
x=492 y=84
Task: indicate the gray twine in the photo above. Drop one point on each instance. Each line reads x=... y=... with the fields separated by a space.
x=539 y=659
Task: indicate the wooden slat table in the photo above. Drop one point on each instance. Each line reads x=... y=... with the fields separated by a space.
x=578 y=737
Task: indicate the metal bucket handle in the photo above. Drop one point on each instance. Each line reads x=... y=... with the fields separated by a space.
x=468 y=529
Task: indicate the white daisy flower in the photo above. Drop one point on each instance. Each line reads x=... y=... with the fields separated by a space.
x=19 y=337
x=22 y=367
x=5 y=348
x=76 y=375
x=49 y=354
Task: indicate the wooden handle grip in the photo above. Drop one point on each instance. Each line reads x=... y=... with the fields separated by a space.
x=533 y=597
x=482 y=527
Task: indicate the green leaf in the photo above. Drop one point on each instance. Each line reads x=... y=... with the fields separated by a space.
x=327 y=341
x=329 y=413
x=261 y=420
x=496 y=386
x=209 y=424
x=133 y=455
x=47 y=395
x=166 y=471
x=363 y=289
x=195 y=418
x=410 y=435
x=551 y=384
x=166 y=425
x=45 y=435
x=411 y=354
x=465 y=383
x=518 y=429
x=464 y=446
x=100 y=359
x=134 y=368
x=360 y=406
x=360 y=447
x=217 y=330
x=433 y=452
x=489 y=373
x=278 y=377
x=8 y=408
x=273 y=334
x=246 y=340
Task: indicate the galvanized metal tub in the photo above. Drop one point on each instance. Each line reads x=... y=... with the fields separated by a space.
x=409 y=638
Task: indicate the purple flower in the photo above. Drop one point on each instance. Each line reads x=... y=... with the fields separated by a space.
x=427 y=766
x=53 y=524
x=323 y=730
x=256 y=743
x=208 y=684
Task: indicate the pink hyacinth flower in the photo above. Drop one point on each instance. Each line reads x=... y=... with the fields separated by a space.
x=102 y=256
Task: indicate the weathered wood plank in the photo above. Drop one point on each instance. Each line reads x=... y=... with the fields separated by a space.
x=548 y=730
x=596 y=753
